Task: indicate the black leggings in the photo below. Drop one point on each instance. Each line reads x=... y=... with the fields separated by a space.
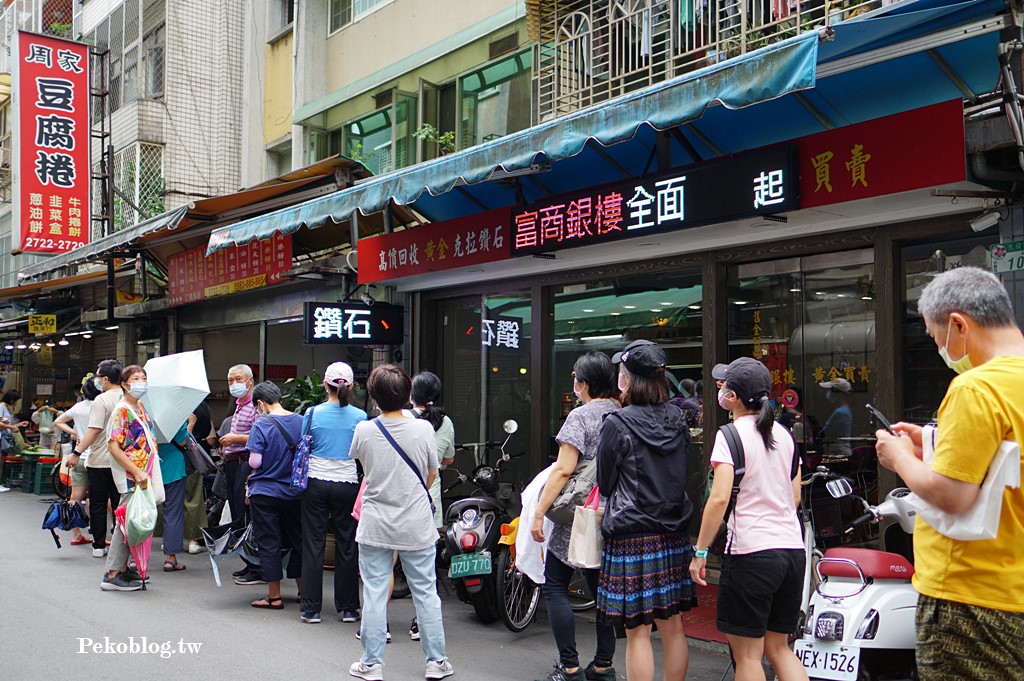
x=557 y=576
x=101 y=490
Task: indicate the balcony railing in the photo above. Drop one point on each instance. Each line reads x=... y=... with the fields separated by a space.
x=53 y=17
x=591 y=51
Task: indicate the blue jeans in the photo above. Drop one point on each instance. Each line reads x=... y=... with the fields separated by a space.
x=375 y=567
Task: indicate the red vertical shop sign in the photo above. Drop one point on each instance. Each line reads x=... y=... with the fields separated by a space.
x=51 y=136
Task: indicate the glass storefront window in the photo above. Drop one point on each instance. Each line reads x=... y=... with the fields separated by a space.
x=486 y=373
x=496 y=100
x=811 y=321
x=605 y=316
x=925 y=376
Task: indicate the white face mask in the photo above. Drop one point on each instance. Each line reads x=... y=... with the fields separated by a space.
x=958 y=365
x=98 y=382
x=238 y=390
x=138 y=389
x=722 y=392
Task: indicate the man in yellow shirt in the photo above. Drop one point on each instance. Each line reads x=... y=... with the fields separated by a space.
x=970 y=616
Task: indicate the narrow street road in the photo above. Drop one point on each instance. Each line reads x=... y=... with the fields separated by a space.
x=50 y=601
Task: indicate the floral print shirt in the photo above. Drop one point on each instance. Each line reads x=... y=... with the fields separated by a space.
x=132 y=428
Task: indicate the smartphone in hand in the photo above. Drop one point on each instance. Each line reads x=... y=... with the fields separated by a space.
x=879 y=419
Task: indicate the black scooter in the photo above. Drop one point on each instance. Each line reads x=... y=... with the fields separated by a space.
x=472 y=549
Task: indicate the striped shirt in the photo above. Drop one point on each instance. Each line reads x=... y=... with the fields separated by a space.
x=241 y=423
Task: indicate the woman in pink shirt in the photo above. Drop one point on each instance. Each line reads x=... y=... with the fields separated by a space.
x=761 y=583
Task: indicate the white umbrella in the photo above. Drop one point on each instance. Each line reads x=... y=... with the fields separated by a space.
x=177 y=385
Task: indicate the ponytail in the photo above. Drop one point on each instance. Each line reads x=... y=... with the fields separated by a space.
x=434 y=414
x=766 y=421
x=342 y=390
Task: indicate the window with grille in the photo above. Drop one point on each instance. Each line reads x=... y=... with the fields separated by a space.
x=344 y=12
x=496 y=100
x=153 y=54
x=384 y=140
x=139 y=177
x=136 y=36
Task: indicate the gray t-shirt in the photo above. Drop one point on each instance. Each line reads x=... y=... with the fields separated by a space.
x=581 y=430
x=99 y=417
x=396 y=510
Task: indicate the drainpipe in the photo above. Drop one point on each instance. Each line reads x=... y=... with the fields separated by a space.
x=111 y=294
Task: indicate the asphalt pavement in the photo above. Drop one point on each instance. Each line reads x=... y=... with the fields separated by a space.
x=56 y=623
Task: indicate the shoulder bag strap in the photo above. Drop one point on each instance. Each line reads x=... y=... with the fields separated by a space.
x=405 y=457
x=732 y=438
x=307 y=422
x=284 y=433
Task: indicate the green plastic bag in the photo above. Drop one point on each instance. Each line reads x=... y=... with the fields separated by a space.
x=140 y=516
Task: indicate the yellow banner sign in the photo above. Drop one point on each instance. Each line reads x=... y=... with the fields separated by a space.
x=42 y=323
x=247 y=284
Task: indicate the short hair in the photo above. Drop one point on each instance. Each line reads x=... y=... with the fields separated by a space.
x=131 y=370
x=110 y=369
x=597 y=371
x=245 y=369
x=10 y=397
x=390 y=387
x=972 y=291
x=689 y=385
x=89 y=389
x=266 y=392
x=643 y=391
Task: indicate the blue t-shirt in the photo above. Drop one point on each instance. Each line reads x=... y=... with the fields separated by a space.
x=332 y=428
x=274 y=476
x=172 y=461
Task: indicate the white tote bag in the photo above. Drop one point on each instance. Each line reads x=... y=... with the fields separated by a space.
x=980 y=521
x=586 y=542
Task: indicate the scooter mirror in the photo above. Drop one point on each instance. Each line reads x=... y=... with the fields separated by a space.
x=510 y=426
x=839 y=488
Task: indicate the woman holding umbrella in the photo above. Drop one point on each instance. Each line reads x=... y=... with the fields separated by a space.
x=134 y=461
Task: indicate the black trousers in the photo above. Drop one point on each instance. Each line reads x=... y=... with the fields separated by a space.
x=276 y=524
x=236 y=473
x=557 y=576
x=101 y=490
x=328 y=506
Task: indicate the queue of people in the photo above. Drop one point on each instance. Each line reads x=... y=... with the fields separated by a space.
x=629 y=430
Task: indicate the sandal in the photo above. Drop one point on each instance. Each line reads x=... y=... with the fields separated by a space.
x=268 y=603
x=80 y=541
x=173 y=566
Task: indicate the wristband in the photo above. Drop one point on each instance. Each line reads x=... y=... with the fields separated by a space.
x=701 y=553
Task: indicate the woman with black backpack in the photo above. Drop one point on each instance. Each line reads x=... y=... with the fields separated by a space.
x=761 y=583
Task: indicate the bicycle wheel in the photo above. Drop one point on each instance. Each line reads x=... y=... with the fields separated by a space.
x=519 y=595
x=580 y=598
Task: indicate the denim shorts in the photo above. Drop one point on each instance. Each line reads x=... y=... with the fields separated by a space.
x=760 y=592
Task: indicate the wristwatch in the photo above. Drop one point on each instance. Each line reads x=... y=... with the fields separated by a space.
x=700 y=553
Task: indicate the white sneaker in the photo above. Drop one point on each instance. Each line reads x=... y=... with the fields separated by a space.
x=439 y=669
x=99 y=553
x=4 y=489
x=194 y=547
x=371 y=672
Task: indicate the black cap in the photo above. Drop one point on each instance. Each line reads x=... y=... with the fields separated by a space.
x=643 y=358
x=749 y=378
x=617 y=357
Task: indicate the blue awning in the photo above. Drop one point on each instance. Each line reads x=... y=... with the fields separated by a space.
x=876 y=66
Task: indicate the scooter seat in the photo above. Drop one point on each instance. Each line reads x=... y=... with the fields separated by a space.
x=874 y=564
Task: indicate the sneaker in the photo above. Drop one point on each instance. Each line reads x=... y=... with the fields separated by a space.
x=239 y=573
x=373 y=672
x=119 y=582
x=311 y=618
x=4 y=489
x=594 y=675
x=194 y=548
x=99 y=553
x=350 y=616
x=414 y=630
x=360 y=638
x=132 y=575
x=559 y=674
x=439 y=669
x=249 y=578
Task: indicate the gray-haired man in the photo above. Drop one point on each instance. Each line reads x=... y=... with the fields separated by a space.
x=970 y=615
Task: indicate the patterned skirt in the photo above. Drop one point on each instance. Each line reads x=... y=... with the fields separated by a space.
x=643 y=578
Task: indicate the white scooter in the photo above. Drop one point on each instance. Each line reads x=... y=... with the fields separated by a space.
x=859 y=623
